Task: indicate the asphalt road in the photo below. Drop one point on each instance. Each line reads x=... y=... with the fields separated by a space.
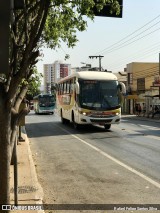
x=94 y=166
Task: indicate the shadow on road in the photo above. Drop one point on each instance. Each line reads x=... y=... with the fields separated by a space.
x=55 y=128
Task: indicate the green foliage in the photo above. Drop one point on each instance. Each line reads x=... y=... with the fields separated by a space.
x=67 y=56
x=66 y=17
x=53 y=90
x=34 y=84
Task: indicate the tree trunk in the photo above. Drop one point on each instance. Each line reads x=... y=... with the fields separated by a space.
x=5 y=127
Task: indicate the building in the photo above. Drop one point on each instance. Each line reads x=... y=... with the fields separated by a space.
x=62 y=70
x=49 y=77
x=54 y=72
x=75 y=69
x=122 y=77
x=141 y=87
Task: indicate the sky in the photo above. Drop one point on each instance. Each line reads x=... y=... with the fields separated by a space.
x=133 y=38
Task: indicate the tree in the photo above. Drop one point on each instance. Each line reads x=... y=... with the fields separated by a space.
x=39 y=22
x=53 y=89
x=34 y=84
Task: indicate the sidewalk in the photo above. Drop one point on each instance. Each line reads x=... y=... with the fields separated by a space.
x=155 y=119
x=30 y=192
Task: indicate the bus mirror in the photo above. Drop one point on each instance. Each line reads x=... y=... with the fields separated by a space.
x=77 y=88
x=122 y=88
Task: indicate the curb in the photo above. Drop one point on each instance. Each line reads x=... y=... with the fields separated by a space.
x=39 y=193
x=30 y=192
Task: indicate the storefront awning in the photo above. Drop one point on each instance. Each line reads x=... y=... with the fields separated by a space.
x=148 y=96
x=132 y=97
x=156 y=96
x=152 y=96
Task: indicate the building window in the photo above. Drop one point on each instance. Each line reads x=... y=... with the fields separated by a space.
x=141 y=85
x=130 y=78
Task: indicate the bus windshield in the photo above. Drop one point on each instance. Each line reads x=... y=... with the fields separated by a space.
x=46 y=101
x=99 y=95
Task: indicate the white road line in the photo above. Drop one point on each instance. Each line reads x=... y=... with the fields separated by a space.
x=114 y=159
x=146 y=126
x=150 y=127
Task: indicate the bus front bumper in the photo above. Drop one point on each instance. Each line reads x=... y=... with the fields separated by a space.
x=45 y=111
x=100 y=121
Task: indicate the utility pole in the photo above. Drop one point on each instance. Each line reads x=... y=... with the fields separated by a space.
x=100 y=57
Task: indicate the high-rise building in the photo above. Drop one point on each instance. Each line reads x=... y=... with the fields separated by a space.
x=54 y=72
x=61 y=70
x=49 y=77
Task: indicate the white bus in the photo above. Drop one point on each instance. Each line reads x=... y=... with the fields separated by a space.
x=44 y=103
x=90 y=97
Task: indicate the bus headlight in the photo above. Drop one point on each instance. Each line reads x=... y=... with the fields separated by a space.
x=117 y=113
x=84 y=113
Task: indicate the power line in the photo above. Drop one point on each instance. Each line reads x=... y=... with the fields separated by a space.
x=121 y=45
x=118 y=45
x=143 y=54
x=109 y=47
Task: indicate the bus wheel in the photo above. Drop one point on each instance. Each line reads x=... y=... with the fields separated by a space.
x=76 y=126
x=63 y=120
x=107 y=126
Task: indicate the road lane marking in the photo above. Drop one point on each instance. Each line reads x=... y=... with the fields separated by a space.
x=150 y=127
x=114 y=159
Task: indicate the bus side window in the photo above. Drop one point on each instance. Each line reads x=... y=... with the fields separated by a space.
x=68 y=87
x=63 y=88
x=71 y=86
x=59 y=90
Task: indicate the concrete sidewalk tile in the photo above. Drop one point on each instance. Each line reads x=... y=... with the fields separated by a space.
x=29 y=190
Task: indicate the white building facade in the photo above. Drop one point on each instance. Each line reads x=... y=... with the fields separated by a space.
x=53 y=73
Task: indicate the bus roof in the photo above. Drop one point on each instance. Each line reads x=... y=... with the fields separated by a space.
x=42 y=95
x=91 y=75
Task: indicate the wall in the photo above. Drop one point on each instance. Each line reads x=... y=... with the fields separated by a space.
x=140 y=77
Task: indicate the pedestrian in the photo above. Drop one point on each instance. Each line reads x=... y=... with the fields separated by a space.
x=144 y=109
x=24 y=105
x=156 y=111
x=136 y=109
x=151 y=111
x=139 y=109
